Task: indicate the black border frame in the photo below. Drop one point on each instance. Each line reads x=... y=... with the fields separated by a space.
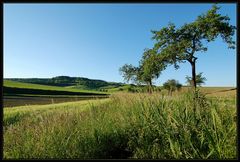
x=122 y=1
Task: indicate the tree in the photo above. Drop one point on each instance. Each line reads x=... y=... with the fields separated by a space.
x=199 y=79
x=129 y=72
x=150 y=67
x=172 y=85
x=180 y=45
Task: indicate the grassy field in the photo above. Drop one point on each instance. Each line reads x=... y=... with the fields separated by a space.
x=124 y=126
x=14 y=84
x=229 y=92
x=18 y=94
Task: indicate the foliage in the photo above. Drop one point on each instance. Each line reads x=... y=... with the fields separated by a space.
x=172 y=85
x=177 y=45
x=129 y=72
x=150 y=67
x=199 y=79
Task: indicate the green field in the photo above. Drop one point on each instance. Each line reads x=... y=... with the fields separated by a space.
x=124 y=126
x=14 y=84
x=18 y=94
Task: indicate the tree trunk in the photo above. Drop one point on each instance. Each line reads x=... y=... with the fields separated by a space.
x=194 y=85
x=150 y=86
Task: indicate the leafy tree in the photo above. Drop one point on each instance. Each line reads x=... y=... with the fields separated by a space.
x=172 y=85
x=129 y=72
x=199 y=79
x=150 y=67
x=178 y=45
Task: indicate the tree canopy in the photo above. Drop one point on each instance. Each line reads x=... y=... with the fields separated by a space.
x=177 y=45
x=199 y=79
x=150 y=67
x=129 y=72
x=172 y=85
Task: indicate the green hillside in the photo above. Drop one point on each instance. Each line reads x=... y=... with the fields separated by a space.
x=70 y=82
x=13 y=84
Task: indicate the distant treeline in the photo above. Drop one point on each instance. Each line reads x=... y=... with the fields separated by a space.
x=84 y=83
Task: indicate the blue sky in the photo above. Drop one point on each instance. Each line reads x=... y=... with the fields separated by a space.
x=95 y=40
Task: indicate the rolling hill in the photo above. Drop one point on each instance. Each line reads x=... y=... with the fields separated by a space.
x=14 y=87
x=69 y=82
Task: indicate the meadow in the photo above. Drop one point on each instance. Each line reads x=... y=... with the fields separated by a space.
x=125 y=126
x=14 y=84
x=66 y=117
x=19 y=94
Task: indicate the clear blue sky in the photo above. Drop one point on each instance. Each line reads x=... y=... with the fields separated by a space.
x=94 y=40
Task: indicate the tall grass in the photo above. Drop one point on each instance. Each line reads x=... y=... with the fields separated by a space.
x=128 y=125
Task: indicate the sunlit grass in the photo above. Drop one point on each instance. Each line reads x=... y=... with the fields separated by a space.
x=139 y=126
x=15 y=84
